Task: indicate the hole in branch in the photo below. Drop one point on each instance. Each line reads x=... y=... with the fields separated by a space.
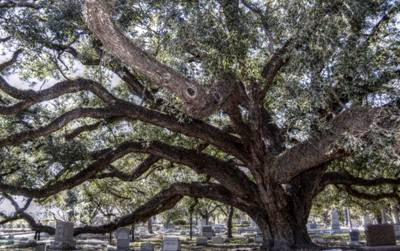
x=191 y=92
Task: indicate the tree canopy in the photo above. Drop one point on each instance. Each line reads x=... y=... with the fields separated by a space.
x=256 y=104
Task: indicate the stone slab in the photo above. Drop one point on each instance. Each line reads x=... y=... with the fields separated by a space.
x=380 y=235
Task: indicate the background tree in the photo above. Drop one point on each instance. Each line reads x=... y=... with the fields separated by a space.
x=253 y=104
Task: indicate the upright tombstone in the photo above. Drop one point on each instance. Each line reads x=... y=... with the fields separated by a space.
x=218 y=240
x=346 y=216
x=354 y=237
x=259 y=237
x=397 y=231
x=207 y=231
x=383 y=216
x=171 y=244
x=335 y=225
x=64 y=237
x=201 y=241
x=122 y=236
x=366 y=220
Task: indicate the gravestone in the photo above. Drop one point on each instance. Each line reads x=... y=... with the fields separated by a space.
x=147 y=247
x=201 y=241
x=346 y=218
x=380 y=235
x=171 y=244
x=397 y=231
x=207 y=231
x=218 y=240
x=123 y=240
x=366 y=221
x=335 y=225
x=259 y=238
x=383 y=216
x=354 y=236
x=64 y=236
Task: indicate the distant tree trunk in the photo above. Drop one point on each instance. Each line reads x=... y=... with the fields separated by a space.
x=229 y=222
x=133 y=233
x=168 y=220
x=395 y=214
x=150 y=226
x=190 y=224
x=207 y=218
x=191 y=210
x=383 y=216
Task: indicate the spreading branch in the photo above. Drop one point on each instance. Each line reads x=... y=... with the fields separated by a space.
x=199 y=102
x=320 y=148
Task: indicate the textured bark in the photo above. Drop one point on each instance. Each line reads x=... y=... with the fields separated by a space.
x=199 y=101
x=229 y=222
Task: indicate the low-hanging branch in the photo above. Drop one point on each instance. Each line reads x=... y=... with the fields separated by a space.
x=345 y=178
x=224 y=172
x=371 y=196
x=164 y=200
x=138 y=171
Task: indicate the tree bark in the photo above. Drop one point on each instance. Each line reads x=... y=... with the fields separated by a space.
x=190 y=224
x=133 y=232
x=229 y=222
x=284 y=213
x=150 y=226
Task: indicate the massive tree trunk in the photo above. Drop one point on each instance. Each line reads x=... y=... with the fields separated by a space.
x=285 y=210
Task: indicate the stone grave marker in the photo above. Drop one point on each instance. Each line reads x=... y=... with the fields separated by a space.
x=366 y=220
x=171 y=244
x=259 y=238
x=380 y=235
x=201 y=241
x=64 y=236
x=218 y=240
x=147 y=247
x=123 y=240
x=207 y=231
x=354 y=237
x=397 y=231
x=335 y=224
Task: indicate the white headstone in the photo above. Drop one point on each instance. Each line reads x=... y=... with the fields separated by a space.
x=64 y=236
x=218 y=240
x=383 y=215
x=335 y=224
x=171 y=244
x=397 y=230
x=366 y=220
x=122 y=235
